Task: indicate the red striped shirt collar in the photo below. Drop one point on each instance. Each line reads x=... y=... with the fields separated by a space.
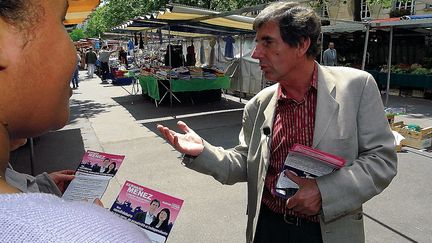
x=314 y=84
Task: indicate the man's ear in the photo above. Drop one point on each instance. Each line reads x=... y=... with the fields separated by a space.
x=303 y=46
x=3 y=45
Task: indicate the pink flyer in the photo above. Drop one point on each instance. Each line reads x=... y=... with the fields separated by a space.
x=154 y=211
x=100 y=163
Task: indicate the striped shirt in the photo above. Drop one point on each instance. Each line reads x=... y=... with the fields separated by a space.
x=294 y=122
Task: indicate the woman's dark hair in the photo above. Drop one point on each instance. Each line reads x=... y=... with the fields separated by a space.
x=113 y=163
x=20 y=13
x=296 y=23
x=164 y=224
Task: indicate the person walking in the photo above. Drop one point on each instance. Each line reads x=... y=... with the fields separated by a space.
x=75 y=78
x=330 y=56
x=104 y=56
x=90 y=59
x=122 y=56
x=309 y=104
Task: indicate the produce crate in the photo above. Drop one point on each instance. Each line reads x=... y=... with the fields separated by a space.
x=390 y=118
x=414 y=139
x=398 y=148
x=417 y=143
x=417 y=93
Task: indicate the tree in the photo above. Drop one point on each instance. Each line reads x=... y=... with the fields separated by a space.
x=77 y=34
x=116 y=12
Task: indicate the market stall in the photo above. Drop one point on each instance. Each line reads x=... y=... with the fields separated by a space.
x=188 y=27
x=391 y=30
x=184 y=82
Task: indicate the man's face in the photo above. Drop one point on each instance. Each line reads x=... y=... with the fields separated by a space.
x=277 y=59
x=153 y=207
x=106 y=162
x=40 y=61
x=331 y=45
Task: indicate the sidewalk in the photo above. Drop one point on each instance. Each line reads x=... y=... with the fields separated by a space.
x=107 y=118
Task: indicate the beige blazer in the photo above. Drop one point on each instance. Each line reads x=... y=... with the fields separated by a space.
x=350 y=122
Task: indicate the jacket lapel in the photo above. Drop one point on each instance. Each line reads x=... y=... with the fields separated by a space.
x=269 y=112
x=326 y=104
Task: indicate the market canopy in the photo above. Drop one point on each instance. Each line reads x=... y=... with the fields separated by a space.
x=343 y=27
x=79 y=10
x=188 y=21
x=404 y=22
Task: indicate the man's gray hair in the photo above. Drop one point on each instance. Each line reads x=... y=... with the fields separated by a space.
x=296 y=23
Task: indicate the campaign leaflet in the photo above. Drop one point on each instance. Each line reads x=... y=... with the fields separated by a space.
x=154 y=211
x=305 y=162
x=92 y=176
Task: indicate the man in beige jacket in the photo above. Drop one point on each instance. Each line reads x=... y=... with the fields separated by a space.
x=334 y=109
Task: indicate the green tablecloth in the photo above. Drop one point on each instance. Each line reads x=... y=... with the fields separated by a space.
x=398 y=80
x=149 y=85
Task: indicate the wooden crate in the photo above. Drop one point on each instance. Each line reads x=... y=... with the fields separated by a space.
x=424 y=133
x=418 y=93
x=417 y=143
x=414 y=139
x=398 y=148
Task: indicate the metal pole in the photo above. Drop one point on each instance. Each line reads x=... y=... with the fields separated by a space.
x=169 y=56
x=31 y=157
x=389 y=65
x=365 y=47
x=241 y=58
x=322 y=45
x=219 y=49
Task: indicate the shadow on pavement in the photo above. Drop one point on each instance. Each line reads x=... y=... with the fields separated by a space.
x=142 y=109
x=53 y=151
x=220 y=128
x=86 y=109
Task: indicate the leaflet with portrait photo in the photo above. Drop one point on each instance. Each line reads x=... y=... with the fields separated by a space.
x=305 y=162
x=154 y=211
x=92 y=176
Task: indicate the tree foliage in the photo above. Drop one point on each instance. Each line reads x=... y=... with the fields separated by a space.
x=116 y=12
x=77 y=34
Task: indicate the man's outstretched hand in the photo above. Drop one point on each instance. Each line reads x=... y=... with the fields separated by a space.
x=187 y=143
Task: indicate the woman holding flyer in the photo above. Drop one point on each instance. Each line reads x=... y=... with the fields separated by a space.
x=34 y=99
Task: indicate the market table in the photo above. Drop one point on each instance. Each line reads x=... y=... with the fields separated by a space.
x=398 y=80
x=150 y=86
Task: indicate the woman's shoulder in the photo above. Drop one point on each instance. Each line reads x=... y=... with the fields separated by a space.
x=45 y=217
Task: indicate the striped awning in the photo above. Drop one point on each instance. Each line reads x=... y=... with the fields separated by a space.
x=80 y=10
x=188 y=21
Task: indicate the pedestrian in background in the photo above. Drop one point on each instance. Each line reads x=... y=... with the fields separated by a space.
x=90 y=59
x=122 y=56
x=104 y=56
x=330 y=56
x=75 y=78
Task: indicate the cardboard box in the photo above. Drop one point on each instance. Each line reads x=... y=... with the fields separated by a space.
x=414 y=139
x=418 y=93
x=395 y=92
x=417 y=143
x=398 y=148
